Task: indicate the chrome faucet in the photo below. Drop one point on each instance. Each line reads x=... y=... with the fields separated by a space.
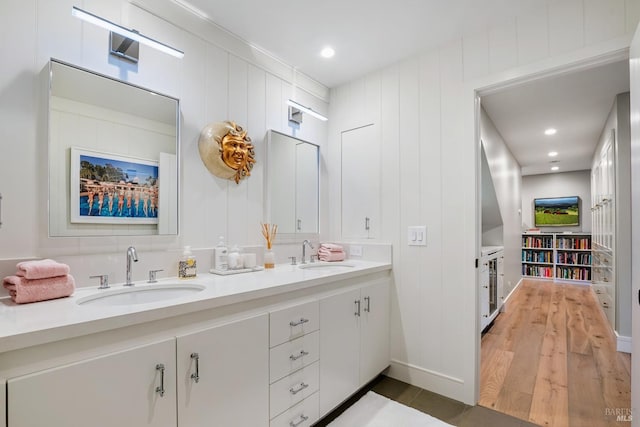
x=304 y=250
x=132 y=255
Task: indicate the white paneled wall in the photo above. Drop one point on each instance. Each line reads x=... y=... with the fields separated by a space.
x=425 y=108
x=219 y=78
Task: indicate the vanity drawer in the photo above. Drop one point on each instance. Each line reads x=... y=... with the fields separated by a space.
x=293 y=322
x=293 y=355
x=292 y=389
x=303 y=414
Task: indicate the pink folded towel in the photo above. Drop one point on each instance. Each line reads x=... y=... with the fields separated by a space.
x=41 y=269
x=23 y=290
x=330 y=256
x=332 y=247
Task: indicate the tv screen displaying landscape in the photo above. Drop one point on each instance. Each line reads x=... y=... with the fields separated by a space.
x=557 y=211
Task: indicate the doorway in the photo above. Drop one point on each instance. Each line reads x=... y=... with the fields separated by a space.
x=520 y=382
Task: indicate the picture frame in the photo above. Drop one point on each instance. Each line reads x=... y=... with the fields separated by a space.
x=556 y=211
x=108 y=188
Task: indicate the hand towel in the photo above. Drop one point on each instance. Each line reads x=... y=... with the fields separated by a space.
x=23 y=290
x=331 y=247
x=329 y=256
x=41 y=269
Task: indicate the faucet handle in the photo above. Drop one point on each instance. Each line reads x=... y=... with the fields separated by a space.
x=104 y=280
x=152 y=276
x=293 y=260
x=312 y=258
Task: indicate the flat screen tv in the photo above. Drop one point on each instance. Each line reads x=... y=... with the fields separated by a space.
x=557 y=211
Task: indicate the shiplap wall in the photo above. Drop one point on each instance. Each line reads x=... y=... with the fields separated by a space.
x=425 y=108
x=219 y=78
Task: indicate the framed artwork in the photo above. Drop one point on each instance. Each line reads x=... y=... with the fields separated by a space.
x=557 y=211
x=110 y=188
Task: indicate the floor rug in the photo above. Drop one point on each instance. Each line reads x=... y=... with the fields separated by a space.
x=373 y=410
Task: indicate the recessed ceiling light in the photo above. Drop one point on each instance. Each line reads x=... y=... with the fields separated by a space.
x=555 y=168
x=327 y=52
x=550 y=131
x=552 y=153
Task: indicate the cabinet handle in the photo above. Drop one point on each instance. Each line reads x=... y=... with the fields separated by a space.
x=299 y=389
x=366 y=223
x=0 y=210
x=196 y=376
x=303 y=418
x=485 y=315
x=357 y=302
x=368 y=307
x=160 y=389
x=298 y=323
x=302 y=353
x=299 y=225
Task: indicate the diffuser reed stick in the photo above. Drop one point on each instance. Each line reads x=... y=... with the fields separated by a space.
x=269 y=232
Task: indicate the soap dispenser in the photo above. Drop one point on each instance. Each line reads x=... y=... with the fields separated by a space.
x=220 y=256
x=187 y=265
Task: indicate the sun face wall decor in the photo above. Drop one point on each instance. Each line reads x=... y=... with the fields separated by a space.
x=226 y=150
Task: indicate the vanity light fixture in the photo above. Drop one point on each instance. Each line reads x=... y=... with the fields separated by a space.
x=296 y=110
x=550 y=131
x=124 y=42
x=552 y=153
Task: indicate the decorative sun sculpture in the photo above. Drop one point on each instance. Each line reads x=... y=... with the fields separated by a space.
x=226 y=150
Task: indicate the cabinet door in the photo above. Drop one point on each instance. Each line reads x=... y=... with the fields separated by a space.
x=231 y=362
x=501 y=289
x=119 y=389
x=374 y=331
x=360 y=182
x=484 y=293
x=307 y=188
x=339 y=348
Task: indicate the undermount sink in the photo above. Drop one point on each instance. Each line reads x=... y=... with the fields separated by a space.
x=326 y=266
x=140 y=295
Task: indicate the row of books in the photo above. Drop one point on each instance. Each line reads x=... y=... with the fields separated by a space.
x=583 y=258
x=573 y=273
x=573 y=243
x=536 y=256
x=537 y=271
x=537 y=242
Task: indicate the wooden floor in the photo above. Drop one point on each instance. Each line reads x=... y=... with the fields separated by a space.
x=551 y=359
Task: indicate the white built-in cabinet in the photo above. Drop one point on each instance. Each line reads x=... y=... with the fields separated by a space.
x=354 y=341
x=360 y=164
x=222 y=375
x=131 y=388
x=491 y=284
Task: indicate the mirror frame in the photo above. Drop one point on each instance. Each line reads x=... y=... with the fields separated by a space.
x=99 y=232
x=288 y=237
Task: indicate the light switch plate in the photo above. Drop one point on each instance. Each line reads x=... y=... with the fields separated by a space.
x=355 y=250
x=417 y=235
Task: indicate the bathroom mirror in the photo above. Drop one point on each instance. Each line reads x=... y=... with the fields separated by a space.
x=113 y=156
x=292 y=186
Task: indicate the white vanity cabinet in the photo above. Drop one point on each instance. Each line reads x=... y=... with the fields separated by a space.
x=222 y=375
x=131 y=388
x=354 y=341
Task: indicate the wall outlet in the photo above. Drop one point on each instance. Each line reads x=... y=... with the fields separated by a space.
x=355 y=250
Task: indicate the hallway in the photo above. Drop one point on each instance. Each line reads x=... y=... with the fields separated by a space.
x=551 y=359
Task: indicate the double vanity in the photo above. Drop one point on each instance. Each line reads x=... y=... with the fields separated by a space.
x=268 y=348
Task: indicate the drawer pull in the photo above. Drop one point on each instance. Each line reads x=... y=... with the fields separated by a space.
x=302 y=353
x=196 y=376
x=299 y=389
x=298 y=323
x=160 y=389
x=303 y=418
x=357 y=303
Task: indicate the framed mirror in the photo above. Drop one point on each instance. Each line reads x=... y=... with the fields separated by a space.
x=292 y=186
x=113 y=156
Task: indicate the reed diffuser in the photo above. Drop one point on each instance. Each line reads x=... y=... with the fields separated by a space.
x=269 y=232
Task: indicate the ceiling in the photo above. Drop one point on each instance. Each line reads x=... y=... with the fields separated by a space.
x=366 y=34
x=576 y=104
x=370 y=34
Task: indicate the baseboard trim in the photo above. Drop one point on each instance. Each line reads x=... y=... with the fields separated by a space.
x=503 y=307
x=427 y=379
x=623 y=343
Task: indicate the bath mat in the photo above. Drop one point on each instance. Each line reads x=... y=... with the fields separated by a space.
x=373 y=410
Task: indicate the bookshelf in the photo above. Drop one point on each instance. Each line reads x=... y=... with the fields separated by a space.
x=557 y=256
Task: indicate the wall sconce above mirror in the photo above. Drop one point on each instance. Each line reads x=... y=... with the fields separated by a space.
x=292 y=186
x=113 y=156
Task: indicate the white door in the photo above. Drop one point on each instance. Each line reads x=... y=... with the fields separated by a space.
x=374 y=331
x=634 y=74
x=361 y=182
x=339 y=348
x=121 y=389
x=223 y=375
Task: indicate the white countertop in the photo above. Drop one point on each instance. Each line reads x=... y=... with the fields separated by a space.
x=25 y=325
